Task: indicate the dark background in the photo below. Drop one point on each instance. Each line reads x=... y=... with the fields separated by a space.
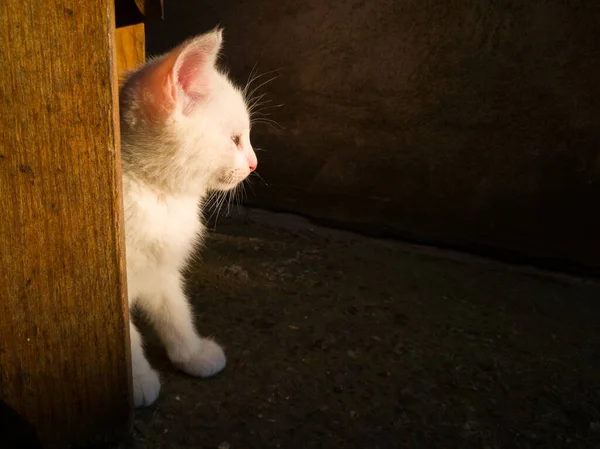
x=472 y=124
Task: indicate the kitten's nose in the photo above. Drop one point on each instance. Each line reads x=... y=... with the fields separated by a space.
x=252 y=160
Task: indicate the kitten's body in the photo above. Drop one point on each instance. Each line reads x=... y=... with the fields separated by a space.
x=185 y=132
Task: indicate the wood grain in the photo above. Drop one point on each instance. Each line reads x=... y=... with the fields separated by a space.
x=131 y=51
x=64 y=351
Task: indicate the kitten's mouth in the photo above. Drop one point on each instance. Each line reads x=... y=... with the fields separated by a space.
x=229 y=181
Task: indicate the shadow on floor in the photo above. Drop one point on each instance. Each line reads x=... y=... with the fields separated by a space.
x=340 y=341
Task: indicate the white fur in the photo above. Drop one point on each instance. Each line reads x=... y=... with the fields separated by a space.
x=169 y=167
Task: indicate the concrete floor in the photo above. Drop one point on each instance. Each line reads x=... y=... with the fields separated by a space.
x=341 y=341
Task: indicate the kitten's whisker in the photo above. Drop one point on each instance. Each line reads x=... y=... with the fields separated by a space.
x=249 y=184
x=220 y=197
x=249 y=83
x=272 y=105
x=267 y=121
x=210 y=207
x=255 y=100
x=261 y=113
x=239 y=196
x=244 y=195
x=208 y=202
x=261 y=85
x=257 y=77
x=258 y=108
x=250 y=78
x=212 y=200
x=256 y=103
x=230 y=199
x=221 y=201
x=261 y=178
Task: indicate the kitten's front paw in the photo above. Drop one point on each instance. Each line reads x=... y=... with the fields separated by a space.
x=146 y=387
x=207 y=360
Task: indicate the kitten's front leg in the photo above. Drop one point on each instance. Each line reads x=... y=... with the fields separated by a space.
x=146 y=384
x=171 y=315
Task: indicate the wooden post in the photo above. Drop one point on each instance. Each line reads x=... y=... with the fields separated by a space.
x=131 y=48
x=64 y=343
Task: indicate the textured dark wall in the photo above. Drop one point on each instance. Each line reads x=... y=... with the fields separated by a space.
x=473 y=123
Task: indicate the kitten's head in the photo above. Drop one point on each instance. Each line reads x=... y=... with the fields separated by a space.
x=184 y=123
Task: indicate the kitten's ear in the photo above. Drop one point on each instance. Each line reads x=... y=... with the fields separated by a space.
x=193 y=68
x=181 y=77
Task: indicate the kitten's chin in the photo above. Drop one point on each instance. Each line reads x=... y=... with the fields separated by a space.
x=224 y=187
x=228 y=182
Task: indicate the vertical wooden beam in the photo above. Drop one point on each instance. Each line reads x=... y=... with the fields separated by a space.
x=131 y=48
x=64 y=344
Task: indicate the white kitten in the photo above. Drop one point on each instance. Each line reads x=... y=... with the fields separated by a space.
x=185 y=131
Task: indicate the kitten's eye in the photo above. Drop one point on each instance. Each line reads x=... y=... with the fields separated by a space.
x=236 y=140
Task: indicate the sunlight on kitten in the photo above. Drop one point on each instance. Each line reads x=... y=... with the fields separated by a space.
x=185 y=132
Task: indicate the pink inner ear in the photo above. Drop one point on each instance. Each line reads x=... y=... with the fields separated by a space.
x=195 y=64
x=193 y=73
